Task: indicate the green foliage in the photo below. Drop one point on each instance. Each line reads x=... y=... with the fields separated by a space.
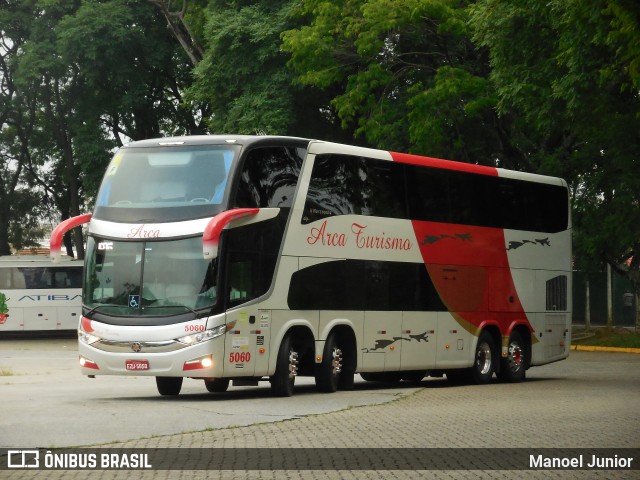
x=242 y=75
x=408 y=76
x=544 y=86
x=83 y=77
x=569 y=69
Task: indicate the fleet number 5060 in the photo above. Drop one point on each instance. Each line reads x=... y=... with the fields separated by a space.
x=239 y=357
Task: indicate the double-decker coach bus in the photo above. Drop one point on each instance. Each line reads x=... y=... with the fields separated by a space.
x=251 y=258
x=35 y=295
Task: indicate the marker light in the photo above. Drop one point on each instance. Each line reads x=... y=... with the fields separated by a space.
x=86 y=363
x=198 y=363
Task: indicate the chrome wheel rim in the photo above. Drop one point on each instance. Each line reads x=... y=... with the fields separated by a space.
x=336 y=361
x=515 y=357
x=483 y=358
x=293 y=364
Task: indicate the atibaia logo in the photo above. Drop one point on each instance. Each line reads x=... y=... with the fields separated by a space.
x=4 y=310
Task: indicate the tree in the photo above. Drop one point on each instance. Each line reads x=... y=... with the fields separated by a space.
x=20 y=203
x=570 y=70
x=242 y=75
x=408 y=75
x=88 y=76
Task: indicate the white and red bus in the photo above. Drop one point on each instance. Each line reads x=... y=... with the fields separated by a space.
x=265 y=258
x=38 y=296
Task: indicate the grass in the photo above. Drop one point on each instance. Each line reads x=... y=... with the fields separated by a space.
x=5 y=372
x=607 y=337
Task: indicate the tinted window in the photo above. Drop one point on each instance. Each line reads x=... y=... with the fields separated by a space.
x=269 y=177
x=252 y=254
x=342 y=185
x=364 y=285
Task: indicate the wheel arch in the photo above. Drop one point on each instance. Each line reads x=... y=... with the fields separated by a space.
x=524 y=330
x=303 y=341
x=345 y=334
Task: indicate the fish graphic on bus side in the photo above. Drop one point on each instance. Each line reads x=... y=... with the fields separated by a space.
x=383 y=343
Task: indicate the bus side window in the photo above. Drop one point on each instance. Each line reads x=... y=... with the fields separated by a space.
x=350 y=185
x=269 y=177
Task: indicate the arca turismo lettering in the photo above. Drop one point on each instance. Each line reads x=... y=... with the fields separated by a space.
x=359 y=236
x=141 y=232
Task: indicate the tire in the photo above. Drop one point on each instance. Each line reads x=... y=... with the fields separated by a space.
x=330 y=370
x=217 y=385
x=513 y=368
x=169 y=385
x=485 y=360
x=284 y=378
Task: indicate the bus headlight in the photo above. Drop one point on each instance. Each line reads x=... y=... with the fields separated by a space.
x=87 y=338
x=195 y=338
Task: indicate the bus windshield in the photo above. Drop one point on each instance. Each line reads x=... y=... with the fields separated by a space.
x=164 y=184
x=149 y=278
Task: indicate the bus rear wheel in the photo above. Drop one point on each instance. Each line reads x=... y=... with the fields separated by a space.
x=332 y=366
x=284 y=378
x=169 y=385
x=513 y=367
x=217 y=385
x=485 y=359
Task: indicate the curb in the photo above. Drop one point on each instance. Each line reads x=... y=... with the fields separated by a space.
x=592 y=348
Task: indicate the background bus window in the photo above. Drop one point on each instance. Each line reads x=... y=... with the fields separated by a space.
x=41 y=277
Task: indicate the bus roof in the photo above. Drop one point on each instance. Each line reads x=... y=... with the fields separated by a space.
x=320 y=146
x=244 y=140
x=32 y=260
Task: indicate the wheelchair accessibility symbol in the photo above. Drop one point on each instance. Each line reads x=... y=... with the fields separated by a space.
x=134 y=301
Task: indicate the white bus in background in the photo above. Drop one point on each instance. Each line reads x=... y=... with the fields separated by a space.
x=238 y=258
x=36 y=295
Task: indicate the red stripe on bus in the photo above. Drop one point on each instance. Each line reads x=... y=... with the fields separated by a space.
x=470 y=270
x=446 y=164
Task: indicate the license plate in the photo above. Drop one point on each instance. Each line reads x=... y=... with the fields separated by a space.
x=137 y=365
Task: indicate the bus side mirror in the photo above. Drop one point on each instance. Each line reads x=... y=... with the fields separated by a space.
x=55 y=243
x=213 y=230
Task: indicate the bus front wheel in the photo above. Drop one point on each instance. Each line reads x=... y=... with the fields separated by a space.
x=169 y=385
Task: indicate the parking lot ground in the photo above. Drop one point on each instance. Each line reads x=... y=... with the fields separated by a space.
x=589 y=401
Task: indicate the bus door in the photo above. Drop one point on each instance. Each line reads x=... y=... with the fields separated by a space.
x=418 y=340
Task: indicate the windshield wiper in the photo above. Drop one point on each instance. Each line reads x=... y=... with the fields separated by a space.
x=93 y=310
